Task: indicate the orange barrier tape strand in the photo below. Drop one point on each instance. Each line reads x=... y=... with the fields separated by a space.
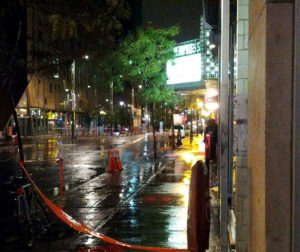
x=85 y=229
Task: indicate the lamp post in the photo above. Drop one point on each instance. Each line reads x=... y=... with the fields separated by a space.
x=112 y=105
x=132 y=107
x=73 y=93
x=73 y=99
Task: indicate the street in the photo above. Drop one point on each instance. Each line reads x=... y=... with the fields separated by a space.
x=144 y=204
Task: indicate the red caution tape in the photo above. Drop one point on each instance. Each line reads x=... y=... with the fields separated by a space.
x=85 y=229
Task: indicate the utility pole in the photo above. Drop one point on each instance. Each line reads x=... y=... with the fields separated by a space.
x=112 y=106
x=73 y=72
x=223 y=124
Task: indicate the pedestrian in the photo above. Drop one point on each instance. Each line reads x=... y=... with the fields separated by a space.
x=179 y=138
x=211 y=140
x=191 y=136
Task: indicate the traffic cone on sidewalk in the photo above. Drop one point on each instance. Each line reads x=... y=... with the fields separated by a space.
x=118 y=160
x=112 y=162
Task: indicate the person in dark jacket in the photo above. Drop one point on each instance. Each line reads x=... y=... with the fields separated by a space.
x=211 y=140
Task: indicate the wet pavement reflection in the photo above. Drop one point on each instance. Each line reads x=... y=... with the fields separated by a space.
x=144 y=204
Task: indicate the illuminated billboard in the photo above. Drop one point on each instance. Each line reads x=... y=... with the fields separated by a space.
x=194 y=62
x=186 y=67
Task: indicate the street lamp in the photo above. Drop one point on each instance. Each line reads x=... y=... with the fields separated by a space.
x=121 y=103
x=73 y=98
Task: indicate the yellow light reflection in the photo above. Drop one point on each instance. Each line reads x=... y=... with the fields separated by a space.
x=52 y=140
x=191 y=156
x=186 y=196
x=186 y=181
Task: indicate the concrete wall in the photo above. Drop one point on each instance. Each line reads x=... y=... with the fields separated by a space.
x=269 y=117
x=241 y=128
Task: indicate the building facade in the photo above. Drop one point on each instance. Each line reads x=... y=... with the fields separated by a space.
x=47 y=104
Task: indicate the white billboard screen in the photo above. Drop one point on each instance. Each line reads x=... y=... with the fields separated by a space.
x=184 y=69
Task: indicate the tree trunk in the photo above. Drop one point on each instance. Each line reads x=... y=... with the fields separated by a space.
x=173 y=133
x=153 y=130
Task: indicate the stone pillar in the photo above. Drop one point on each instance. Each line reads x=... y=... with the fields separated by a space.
x=240 y=130
x=270 y=125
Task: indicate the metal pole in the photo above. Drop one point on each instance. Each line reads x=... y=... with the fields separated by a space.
x=223 y=125
x=230 y=114
x=112 y=105
x=296 y=133
x=73 y=72
x=132 y=106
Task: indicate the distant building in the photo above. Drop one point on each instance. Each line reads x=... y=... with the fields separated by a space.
x=46 y=105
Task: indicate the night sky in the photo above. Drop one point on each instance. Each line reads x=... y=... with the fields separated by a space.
x=165 y=13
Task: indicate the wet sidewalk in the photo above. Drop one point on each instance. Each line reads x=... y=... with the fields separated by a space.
x=144 y=204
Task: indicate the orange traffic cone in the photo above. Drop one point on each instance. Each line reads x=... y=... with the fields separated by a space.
x=112 y=162
x=118 y=160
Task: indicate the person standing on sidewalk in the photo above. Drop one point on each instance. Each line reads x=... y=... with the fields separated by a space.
x=211 y=140
x=179 y=138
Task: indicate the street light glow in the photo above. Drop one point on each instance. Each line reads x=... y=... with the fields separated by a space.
x=121 y=103
x=211 y=92
x=86 y=57
x=140 y=86
x=89 y=86
x=200 y=104
x=212 y=106
x=67 y=90
x=204 y=113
